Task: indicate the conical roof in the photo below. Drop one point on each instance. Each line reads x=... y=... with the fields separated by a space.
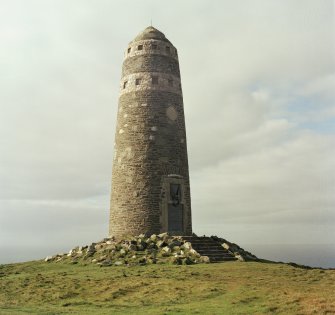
x=151 y=33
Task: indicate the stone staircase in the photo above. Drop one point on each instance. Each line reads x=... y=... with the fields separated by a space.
x=206 y=246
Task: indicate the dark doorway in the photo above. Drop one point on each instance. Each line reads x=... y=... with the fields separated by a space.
x=175 y=215
x=175 y=210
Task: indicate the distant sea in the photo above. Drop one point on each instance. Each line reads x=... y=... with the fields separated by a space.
x=313 y=255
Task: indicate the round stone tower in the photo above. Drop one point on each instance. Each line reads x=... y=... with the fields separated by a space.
x=150 y=179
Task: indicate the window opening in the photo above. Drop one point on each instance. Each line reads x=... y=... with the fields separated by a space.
x=139 y=47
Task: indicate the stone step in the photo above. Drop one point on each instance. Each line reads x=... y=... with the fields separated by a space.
x=209 y=251
x=205 y=243
x=212 y=251
x=206 y=246
x=195 y=238
x=221 y=257
x=200 y=251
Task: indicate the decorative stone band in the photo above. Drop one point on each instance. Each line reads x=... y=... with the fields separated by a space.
x=151 y=47
x=156 y=81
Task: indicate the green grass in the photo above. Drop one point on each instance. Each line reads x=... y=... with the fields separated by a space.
x=225 y=288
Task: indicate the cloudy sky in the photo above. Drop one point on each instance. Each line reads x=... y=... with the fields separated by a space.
x=258 y=82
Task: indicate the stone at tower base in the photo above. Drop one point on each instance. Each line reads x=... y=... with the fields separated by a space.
x=156 y=249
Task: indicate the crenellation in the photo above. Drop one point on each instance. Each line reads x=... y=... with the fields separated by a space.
x=150 y=47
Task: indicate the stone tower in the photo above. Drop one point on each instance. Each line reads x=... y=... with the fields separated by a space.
x=150 y=178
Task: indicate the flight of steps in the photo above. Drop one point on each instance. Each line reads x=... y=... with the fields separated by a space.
x=206 y=246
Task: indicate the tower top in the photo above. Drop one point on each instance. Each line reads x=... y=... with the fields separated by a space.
x=151 y=33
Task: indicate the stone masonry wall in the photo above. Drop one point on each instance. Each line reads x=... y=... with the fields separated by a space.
x=150 y=144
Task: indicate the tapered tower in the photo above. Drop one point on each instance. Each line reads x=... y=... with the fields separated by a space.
x=150 y=178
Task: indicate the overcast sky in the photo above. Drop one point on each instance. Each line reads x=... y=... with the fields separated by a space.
x=258 y=82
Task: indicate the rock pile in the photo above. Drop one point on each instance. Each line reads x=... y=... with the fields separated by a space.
x=139 y=250
x=142 y=250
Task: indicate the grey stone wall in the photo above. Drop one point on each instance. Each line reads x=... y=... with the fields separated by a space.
x=150 y=149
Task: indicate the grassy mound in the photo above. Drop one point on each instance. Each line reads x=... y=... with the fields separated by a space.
x=223 y=288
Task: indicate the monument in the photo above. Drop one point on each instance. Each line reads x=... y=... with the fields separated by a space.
x=150 y=177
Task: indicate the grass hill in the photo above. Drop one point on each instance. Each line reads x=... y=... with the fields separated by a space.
x=163 y=274
x=38 y=287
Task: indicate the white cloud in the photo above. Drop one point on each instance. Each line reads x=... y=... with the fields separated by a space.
x=288 y=183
